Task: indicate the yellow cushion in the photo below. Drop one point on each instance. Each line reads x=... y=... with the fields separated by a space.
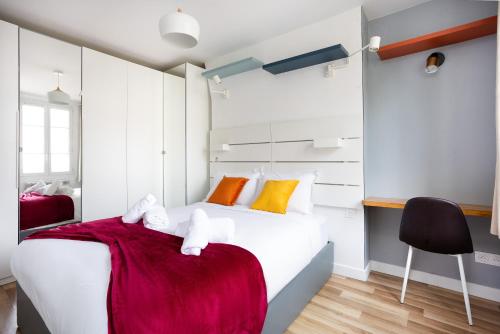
x=275 y=195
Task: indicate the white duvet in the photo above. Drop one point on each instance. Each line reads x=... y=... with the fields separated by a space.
x=67 y=280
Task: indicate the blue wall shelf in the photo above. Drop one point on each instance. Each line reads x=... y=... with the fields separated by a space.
x=325 y=55
x=244 y=65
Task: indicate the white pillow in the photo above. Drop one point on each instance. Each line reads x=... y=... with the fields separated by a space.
x=247 y=195
x=50 y=189
x=37 y=187
x=65 y=190
x=301 y=200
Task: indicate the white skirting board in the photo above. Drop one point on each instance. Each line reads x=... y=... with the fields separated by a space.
x=437 y=280
x=7 y=280
x=352 y=272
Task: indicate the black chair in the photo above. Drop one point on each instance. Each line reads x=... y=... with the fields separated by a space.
x=438 y=226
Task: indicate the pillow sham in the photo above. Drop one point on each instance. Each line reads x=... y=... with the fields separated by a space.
x=275 y=196
x=65 y=190
x=301 y=199
x=247 y=195
x=228 y=190
x=50 y=189
x=37 y=187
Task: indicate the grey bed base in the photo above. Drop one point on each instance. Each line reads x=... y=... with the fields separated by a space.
x=281 y=312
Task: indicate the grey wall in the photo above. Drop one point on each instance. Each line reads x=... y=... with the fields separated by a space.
x=432 y=135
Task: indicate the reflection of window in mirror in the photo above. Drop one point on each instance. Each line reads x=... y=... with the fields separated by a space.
x=47 y=141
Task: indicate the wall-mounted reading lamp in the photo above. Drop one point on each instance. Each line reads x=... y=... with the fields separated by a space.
x=435 y=60
x=217 y=79
x=372 y=46
x=220 y=148
x=224 y=93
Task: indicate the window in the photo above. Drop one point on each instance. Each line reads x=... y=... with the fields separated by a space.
x=45 y=139
x=59 y=141
x=33 y=139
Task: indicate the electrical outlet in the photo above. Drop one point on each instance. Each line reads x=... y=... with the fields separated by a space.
x=487 y=258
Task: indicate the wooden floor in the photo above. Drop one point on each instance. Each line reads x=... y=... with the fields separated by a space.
x=346 y=305
x=8 y=321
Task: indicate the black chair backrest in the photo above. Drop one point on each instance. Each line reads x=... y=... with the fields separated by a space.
x=435 y=225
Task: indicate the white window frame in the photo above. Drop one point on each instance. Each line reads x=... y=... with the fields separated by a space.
x=48 y=175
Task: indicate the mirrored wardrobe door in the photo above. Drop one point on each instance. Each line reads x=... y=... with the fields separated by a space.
x=50 y=132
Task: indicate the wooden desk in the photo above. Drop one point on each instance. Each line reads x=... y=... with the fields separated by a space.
x=399 y=203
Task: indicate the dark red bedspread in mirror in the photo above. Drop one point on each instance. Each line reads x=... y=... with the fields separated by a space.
x=38 y=210
x=153 y=288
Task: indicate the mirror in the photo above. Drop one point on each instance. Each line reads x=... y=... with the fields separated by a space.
x=49 y=132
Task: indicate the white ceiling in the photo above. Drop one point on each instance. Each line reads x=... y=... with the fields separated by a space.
x=129 y=28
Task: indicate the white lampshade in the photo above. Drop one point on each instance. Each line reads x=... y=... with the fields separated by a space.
x=57 y=96
x=180 y=29
x=374 y=44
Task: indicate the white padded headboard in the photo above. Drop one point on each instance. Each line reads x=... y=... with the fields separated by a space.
x=331 y=146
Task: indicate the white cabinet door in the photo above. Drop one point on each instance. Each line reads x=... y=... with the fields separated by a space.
x=104 y=136
x=8 y=148
x=174 y=116
x=197 y=134
x=144 y=133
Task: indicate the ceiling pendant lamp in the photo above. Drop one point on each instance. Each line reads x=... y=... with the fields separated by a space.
x=57 y=96
x=180 y=29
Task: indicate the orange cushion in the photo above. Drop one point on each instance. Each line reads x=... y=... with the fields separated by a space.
x=228 y=190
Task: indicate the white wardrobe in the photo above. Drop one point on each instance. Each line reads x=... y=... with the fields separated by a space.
x=122 y=134
x=8 y=145
x=143 y=131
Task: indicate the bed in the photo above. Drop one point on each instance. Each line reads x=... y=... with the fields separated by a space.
x=37 y=210
x=69 y=294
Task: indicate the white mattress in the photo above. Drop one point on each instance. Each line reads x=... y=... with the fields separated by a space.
x=67 y=280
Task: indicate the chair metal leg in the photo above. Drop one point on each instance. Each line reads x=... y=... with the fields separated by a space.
x=464 y=288
x=407 y=273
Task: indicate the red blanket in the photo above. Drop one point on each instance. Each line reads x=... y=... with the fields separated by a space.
x=153 y=288
x=38 y=210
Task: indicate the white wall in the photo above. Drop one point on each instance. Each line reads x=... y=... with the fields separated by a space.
x=259 y=97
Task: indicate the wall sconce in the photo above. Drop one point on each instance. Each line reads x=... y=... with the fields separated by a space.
x=220 y=148
x=434 y=61
x=224 y=93
x=372 y=46
x=217 y=79
x=328 y=142
x=330 y=69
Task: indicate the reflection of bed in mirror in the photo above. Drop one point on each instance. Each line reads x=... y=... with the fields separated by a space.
x=38 y=209
x=50 y=132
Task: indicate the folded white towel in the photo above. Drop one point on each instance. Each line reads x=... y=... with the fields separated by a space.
x=138 y=209
x=197 y=234
x=220 y=230
x=156 y=219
